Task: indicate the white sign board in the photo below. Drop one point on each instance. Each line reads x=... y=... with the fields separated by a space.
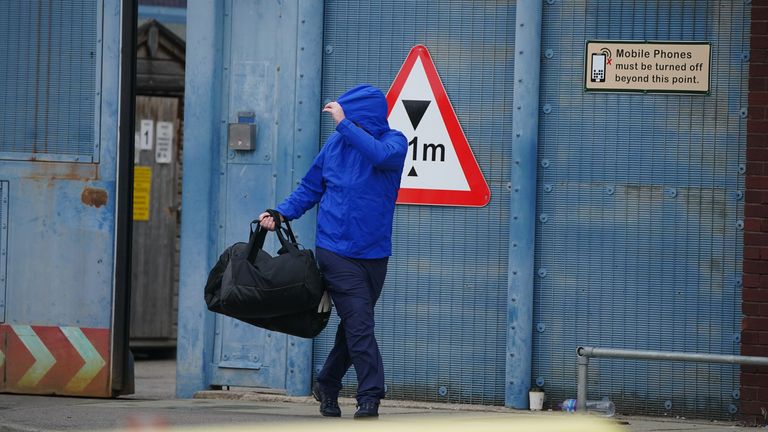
x=164 y=147
x=147 y=130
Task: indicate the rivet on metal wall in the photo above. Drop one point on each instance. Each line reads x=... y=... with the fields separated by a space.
x=736 y=394
x=542 y=272
x=610 y=190
x=328 y=49
x=547 y=108
x=549 y=53
x=668 y=404
x=732 y=409
x=737 y=283
x=508 y=186
x=267 y=157
x=544 y=218
x=743 y=113
x=670 y=192
x=738 y=195
x=740 y=224
x=540 y=381
x=742 y=168
x=540 y=327
x=548 y=188
x=442 y=391
x=231 y=154
x=745 y=56
x=545 y=163
x=226 y=356
x=737 y=337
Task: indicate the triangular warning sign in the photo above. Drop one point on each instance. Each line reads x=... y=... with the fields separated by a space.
x=448 y=173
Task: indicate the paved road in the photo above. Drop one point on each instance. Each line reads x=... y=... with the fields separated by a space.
x=154 y=405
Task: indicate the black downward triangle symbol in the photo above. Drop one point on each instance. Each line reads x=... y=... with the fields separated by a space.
x=416 y=110
x=412 y=172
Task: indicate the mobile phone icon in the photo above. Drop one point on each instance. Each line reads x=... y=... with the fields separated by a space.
x=598 y=67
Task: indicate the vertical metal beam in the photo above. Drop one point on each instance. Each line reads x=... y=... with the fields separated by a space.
x=525 y=125
x=201 y=143
x=306 y=130
x=122 y=364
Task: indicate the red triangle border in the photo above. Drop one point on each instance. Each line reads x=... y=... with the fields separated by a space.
x=478 y=194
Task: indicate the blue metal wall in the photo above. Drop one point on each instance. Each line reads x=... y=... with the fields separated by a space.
x=57 y=207
x=639 y=211
x=441 y=320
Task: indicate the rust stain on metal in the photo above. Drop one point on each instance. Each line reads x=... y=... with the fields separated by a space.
x=54 y=171
x=94 y=197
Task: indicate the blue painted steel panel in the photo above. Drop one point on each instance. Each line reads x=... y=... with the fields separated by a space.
x=637 y=244
x=49 y=58
x=278 y=80
x=56 y=208
x=442 y=317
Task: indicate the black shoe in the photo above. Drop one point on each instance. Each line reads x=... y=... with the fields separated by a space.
x=329 y=406
x=367 y=410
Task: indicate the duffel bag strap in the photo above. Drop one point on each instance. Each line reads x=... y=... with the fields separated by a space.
x=256 y=240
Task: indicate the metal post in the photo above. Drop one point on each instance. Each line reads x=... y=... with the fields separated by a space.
x=525 y=125
x=201 y=146
x=581 y=389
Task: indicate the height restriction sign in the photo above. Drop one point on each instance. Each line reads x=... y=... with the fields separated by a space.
x=440 y=168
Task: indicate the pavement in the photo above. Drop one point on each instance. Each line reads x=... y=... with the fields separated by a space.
x=154 y=407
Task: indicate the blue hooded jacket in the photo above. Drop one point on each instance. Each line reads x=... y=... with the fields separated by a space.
x=355 y=178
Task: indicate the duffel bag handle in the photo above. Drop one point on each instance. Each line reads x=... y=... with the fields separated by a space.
x=278 y=226
x=257 y=237
x=282 y=228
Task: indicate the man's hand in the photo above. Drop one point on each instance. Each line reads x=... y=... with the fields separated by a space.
x=267 y=222
x=336 y=111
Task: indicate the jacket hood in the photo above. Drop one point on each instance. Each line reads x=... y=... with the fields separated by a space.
x=366 y=106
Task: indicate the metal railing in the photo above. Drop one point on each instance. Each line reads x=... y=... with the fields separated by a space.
x=585 y=353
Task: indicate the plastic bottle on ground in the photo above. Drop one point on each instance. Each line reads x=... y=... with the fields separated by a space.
x=605 y=407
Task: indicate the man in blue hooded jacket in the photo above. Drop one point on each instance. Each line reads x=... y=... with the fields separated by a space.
x=355 y=179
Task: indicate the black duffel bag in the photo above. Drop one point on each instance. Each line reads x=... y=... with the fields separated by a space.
x=281 y=293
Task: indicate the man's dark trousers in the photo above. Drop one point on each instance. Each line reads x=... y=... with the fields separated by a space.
x=355 y=286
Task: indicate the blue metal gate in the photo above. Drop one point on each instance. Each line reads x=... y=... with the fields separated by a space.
x=60 y=199
x=441 y=320
x=244 y=73
x=638 y=242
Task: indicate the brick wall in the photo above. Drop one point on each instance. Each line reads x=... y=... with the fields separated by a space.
x=754 y=339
